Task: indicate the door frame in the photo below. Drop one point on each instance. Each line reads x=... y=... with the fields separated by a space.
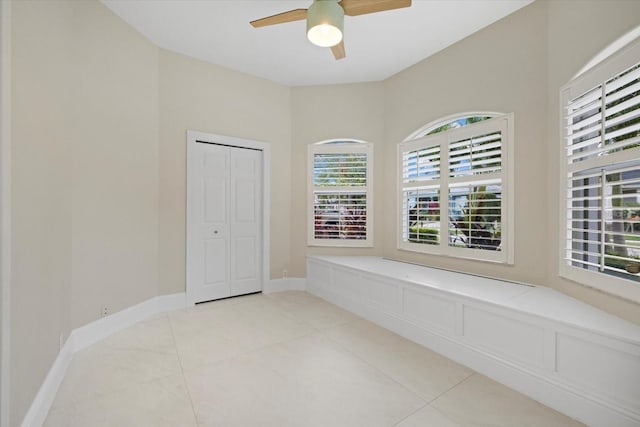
x=196 y=137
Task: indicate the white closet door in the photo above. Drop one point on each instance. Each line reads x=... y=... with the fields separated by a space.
x=245 y=221
x=225 y=221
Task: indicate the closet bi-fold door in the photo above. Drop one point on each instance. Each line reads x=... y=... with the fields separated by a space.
x=224 y=210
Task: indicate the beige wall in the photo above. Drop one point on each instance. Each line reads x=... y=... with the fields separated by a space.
x=320 y=113
x=41 y=194
x=85 y=178
x=99 y=119
x=502 y=68
x=114 y=165
x=195 y=95
x=568 y=51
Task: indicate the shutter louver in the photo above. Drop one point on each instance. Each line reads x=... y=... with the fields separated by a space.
x=476 y=213
x=340 y=196
x=603 y=196
x=477 y=155
x=421 y=195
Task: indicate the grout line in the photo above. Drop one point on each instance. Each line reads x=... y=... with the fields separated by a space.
x=377 y=369
x=453 y=386
x=184 y=379
x=412 y=414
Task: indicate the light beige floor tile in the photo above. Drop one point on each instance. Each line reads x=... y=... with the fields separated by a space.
x=151 y=334
x=237 y=392
x=305 y=382
x=194 y=321
x=427 y=417
x=159 y=403
x=209 y=336
x=417 y=368
x=140 y=353
x=281 y=360
x=206 y=349
x=200 y=338
x=312 y=310
x=261 y=324
x=479 y=401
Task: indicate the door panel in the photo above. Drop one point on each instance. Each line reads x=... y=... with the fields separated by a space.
x=215 y=261
x=245 y=268
x=215 y=196
x=224 y=221
x=245 y=205
x=246 y=221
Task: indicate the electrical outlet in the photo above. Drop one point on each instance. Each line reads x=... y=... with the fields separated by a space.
x=285 y=274
x=104 y=310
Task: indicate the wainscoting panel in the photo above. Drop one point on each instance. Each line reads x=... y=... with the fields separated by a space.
x=564 y=353
x=506 y=337
x=429 y=311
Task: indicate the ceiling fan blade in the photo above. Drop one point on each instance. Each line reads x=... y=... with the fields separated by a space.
x=338 y=50
x=281 y=18
x=361 y=7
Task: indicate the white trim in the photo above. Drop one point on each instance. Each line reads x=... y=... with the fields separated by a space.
x=349 y=146
x=610 y=50
x=422 y=131
x=98 y=330
x=5 y=209
x=340 y=141
x=192 y=138
x=87 y=335
x=288 y=284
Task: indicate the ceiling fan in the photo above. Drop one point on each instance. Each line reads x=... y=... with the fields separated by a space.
x=325 y=19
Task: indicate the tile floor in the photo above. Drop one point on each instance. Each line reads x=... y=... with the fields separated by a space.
x=285 y=359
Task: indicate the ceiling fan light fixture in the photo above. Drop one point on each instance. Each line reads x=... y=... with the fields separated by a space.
x=325 y=22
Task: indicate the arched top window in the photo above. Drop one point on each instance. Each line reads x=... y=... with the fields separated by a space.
x=340 y=198
x=453 y=121
x=340 y=142
x=455 y=186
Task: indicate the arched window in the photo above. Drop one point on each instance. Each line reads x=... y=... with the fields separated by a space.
x=600 y=216
x=455 y=187
x=340 y=197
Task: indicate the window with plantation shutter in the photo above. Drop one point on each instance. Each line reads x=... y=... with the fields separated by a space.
x=340 y=197
x=601 y=170
x=453 y=187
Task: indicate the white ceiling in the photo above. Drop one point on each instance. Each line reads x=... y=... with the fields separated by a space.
x=378 y=45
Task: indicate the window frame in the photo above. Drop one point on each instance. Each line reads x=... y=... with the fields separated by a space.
x=503 y=123
x=588 y=80
x=339 y=146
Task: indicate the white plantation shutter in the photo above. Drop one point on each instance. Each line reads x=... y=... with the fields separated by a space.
x=452 y=191
x=340 y=190
x=421 y=191
x=601 y=218
x=476 y=155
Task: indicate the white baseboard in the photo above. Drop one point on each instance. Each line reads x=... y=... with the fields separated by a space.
x=288 y=284
x=39 y=408
x=87 y=335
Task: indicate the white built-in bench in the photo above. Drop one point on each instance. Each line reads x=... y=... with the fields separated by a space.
x=560 y=351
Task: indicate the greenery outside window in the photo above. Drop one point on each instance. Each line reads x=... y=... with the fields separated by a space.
x=454 y=187
x=340 y=203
